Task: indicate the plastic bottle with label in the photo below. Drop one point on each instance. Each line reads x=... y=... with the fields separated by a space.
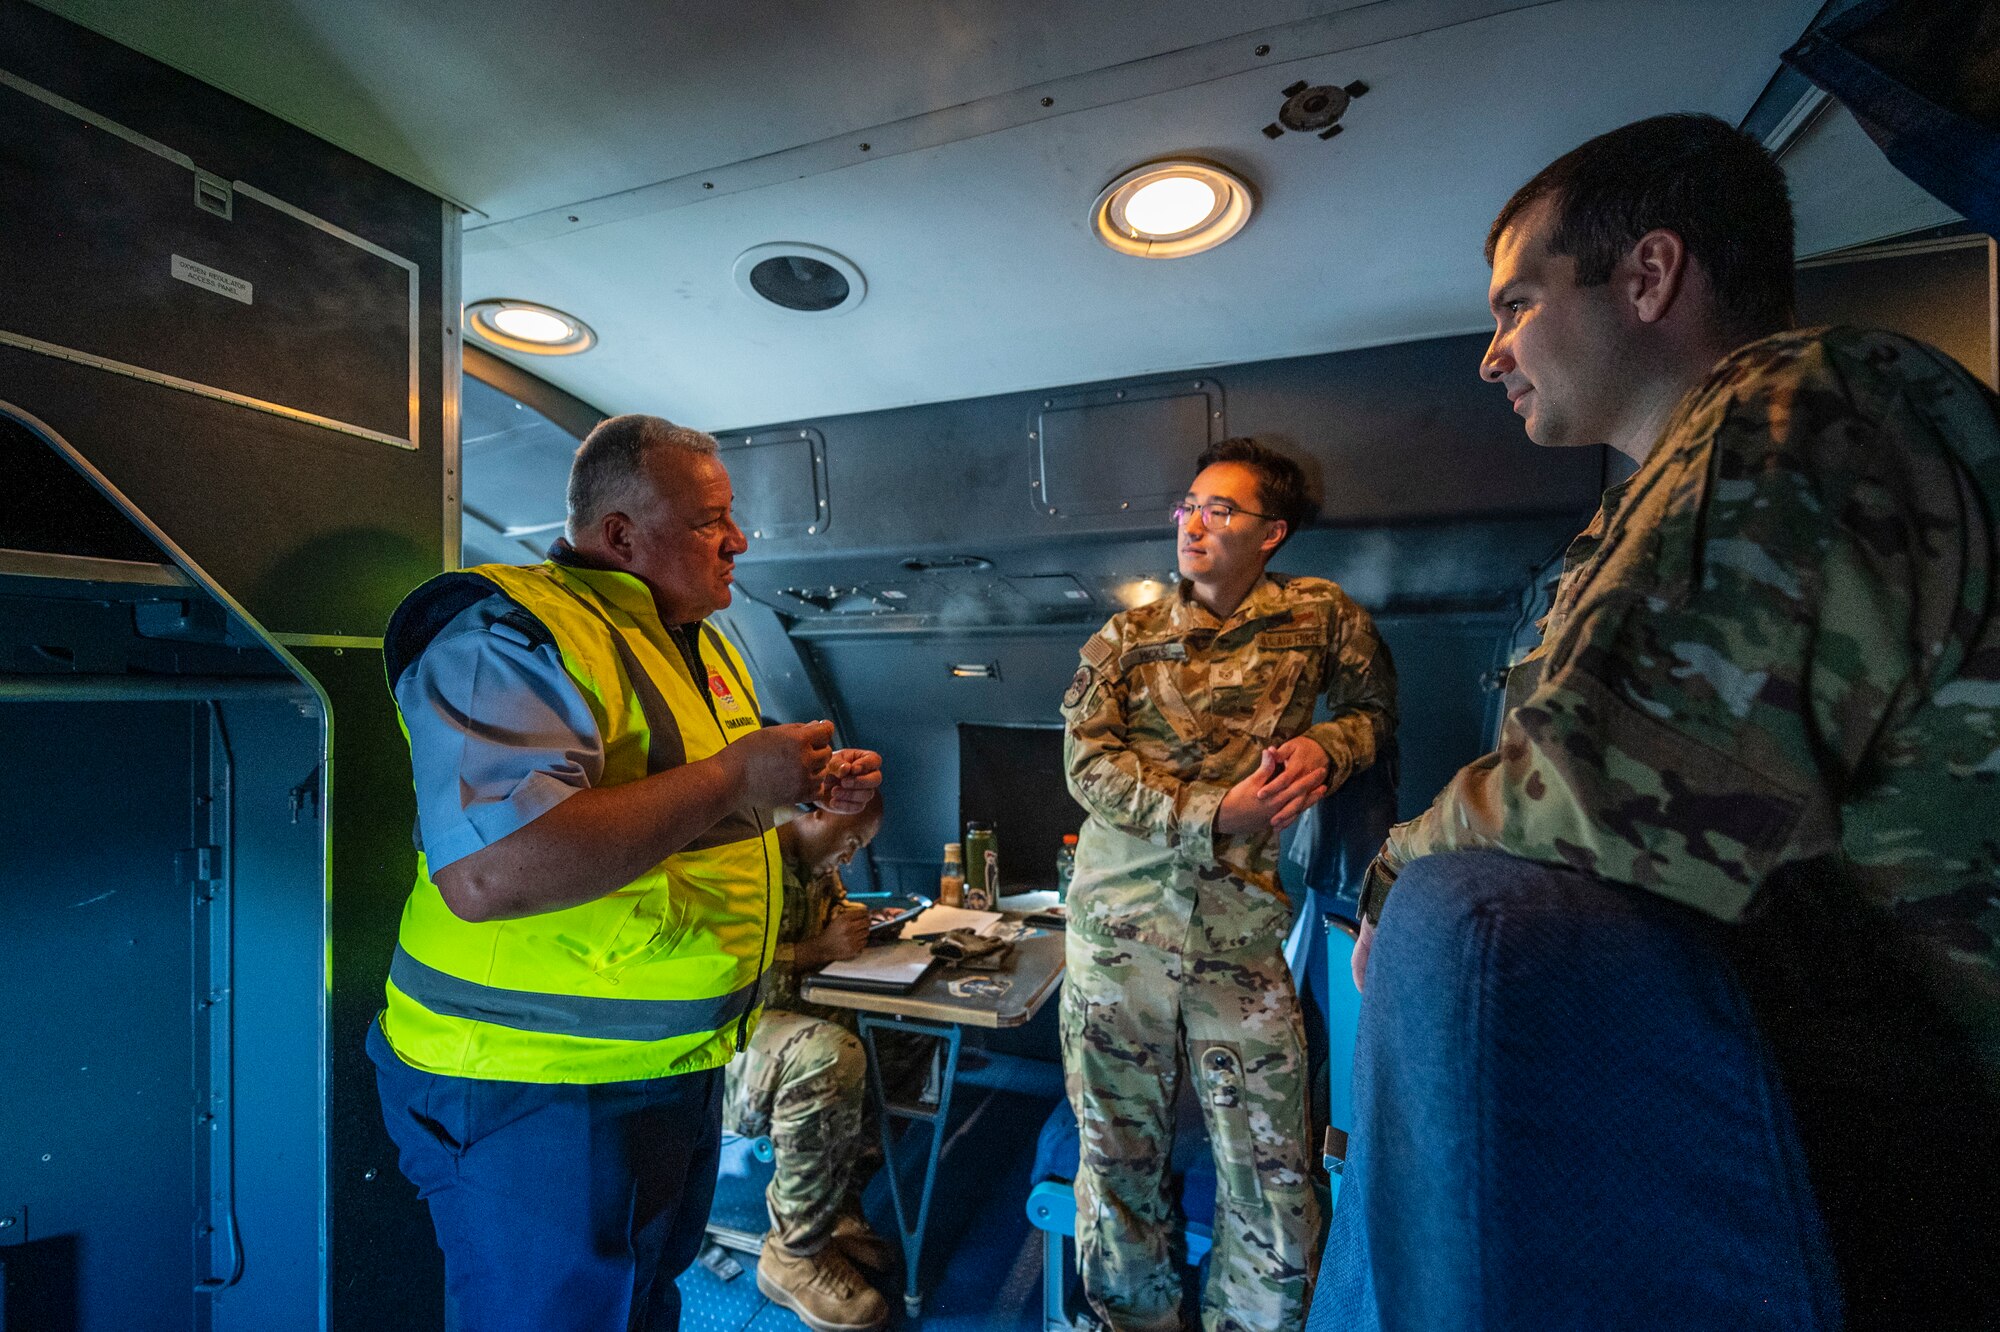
x=1065 y=864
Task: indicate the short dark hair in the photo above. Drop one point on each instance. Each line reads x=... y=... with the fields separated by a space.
x=1702 y=179
x=1281 y=483
x=607 y=475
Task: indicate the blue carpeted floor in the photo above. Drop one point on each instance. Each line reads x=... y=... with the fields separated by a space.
x=982 y=1265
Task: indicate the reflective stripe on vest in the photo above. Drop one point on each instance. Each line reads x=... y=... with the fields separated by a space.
x=566 y=1014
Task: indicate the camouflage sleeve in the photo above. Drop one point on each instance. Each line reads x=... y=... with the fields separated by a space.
x=1740 y=640
x=1361 y=695
x=1110 y=779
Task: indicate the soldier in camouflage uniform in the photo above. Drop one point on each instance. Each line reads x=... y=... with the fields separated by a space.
x=1189 y=742
x=1772 y=668
x=800 y=1081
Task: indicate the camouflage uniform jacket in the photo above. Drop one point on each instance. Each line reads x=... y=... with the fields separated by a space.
x=1779 y=642
x=806 y=912
x=1171 y=708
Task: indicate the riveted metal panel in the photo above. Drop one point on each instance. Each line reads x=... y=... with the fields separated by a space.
x=780 y=481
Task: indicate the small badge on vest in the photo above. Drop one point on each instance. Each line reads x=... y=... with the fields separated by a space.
x=724 y=695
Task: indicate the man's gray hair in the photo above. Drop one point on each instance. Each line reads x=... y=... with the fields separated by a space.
x=608 y=475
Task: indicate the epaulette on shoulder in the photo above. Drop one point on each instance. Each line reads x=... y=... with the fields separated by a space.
x=532 y=630
x=424 y=613
x=1323 y=589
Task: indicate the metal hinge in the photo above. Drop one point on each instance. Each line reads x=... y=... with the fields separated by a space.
x=1333 y=1152
x=306 y=792
x=200 y=868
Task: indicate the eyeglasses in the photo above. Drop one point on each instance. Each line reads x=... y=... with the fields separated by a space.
x=1215 y=514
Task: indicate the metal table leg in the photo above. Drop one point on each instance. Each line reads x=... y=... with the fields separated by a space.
x=912 y=1235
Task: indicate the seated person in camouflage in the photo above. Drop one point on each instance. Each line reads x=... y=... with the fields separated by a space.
x=1190 y=742
x=1769 y=686
x=800 y=1081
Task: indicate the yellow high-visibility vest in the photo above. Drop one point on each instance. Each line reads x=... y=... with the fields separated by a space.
x=658 y=977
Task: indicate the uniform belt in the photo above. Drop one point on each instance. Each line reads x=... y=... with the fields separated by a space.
x=566 y=1014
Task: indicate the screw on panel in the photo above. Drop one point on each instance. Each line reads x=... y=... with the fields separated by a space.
x=708 y=184
x=1048 y=101
x=1263 y=50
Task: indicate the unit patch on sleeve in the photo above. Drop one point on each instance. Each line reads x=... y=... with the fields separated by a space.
x=1077 y=684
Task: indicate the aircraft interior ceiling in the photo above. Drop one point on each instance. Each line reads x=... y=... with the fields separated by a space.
x=619 y=172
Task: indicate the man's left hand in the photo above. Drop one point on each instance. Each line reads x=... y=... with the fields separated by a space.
x=850 y=779
x=1301 y=780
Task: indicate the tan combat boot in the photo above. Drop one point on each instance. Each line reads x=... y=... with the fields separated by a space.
x=823 y=1289
x=864 y=1248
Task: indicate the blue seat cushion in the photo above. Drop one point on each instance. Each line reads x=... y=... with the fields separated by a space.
x=1565 y=1118
x=1192 y=1165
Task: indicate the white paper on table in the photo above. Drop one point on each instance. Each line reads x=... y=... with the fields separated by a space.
x=892 y=964
x=945 y=919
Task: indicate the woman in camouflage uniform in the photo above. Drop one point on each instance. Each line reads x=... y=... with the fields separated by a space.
x=1189 y=744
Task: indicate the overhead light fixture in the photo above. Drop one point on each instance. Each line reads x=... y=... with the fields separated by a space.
x=524 y=326
x=974 y=670
x=1166 y=210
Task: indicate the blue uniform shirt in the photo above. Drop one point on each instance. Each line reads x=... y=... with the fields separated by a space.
x=499 y=733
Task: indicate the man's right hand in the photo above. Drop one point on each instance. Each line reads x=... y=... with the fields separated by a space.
x=845 y=935
x=782 y=764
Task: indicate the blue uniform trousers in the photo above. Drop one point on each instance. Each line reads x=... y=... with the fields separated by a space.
x=559 y=1207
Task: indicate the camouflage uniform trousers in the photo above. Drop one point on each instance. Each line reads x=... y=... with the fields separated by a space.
x=1135 y=1019
x=800 y=1081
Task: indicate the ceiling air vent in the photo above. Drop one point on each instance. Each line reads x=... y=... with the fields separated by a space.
x=802 y=279
x=836 y=600
x=948 y=564
x=1314 y=109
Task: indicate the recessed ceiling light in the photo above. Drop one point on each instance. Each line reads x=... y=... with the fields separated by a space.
x=801 y=279
x=1165 y=210
x=524 y=326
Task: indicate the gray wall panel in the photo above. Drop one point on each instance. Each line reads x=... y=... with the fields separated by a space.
x=96 y=1122
x=1394 y=435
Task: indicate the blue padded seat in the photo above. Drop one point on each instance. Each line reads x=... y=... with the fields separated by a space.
x=1564 y=1118
x=1192 y=1164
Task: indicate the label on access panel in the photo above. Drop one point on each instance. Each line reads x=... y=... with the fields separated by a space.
x=210 y=279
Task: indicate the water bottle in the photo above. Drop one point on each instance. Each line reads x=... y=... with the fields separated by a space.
x=982 y=868
x=1065 y=864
